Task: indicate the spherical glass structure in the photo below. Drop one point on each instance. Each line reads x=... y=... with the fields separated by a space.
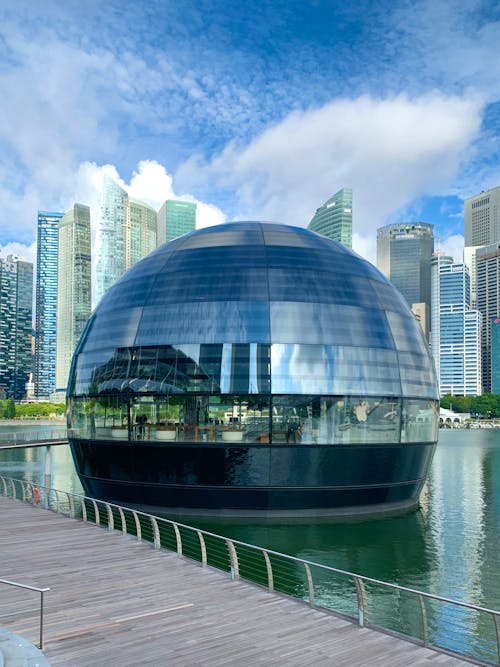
x=253 y=367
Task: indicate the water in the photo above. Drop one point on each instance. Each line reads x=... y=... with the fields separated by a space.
x=449 y=547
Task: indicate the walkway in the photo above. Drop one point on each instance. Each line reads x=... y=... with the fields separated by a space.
x=114 y=601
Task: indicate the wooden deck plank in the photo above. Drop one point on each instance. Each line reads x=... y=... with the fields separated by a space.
x=114 y=600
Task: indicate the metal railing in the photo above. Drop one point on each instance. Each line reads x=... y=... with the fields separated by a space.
x=38 y=590
x=33 y=436
x=434 y=621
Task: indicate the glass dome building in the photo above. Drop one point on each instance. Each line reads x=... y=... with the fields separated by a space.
x=253 y=367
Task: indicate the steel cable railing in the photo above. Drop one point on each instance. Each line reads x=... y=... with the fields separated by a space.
x=432 y=620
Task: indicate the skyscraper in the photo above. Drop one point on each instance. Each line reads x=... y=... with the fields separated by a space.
x=456 y=329
x=404 y=252
x=175 y=218
x=482 y=218
x=16 y=297
x=74 y=287
x=141 y=231
x=495 y=356
x=126 y=233
x=488 y=302
x=44 y=375
x=334 y=218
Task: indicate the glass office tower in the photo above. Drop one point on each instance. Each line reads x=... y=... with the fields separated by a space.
x=334 y=218
x=254 y=367
x=126 y=233
x=175 y=218
x=495 y=356
x=488 y=303
x=44 y=374
x=16 y=297
x=456 y=329
x=74 y=287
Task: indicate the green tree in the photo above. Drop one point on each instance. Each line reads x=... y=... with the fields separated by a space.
x=10 y=410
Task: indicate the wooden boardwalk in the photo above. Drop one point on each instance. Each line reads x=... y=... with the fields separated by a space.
x=114 y=601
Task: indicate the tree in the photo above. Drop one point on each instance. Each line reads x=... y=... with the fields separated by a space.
x=10 y=409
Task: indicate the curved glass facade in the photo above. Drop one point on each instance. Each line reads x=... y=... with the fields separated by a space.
x=252 y=335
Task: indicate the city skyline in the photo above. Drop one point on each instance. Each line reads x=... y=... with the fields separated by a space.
x=200 y=103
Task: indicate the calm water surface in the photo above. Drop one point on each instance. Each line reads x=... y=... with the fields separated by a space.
x=450 y=547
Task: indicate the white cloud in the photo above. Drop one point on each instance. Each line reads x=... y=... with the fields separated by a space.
x=453 y=246
x=21 y=250
x=390 y=151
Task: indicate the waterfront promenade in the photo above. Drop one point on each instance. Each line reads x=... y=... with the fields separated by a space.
x=116 y=601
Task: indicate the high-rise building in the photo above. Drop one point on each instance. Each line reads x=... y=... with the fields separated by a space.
x=74 y=287
x=456 y=329
x=495 y=356
x=175 y=218
x=141 y=231
x=404 y=253
x=44 y=374
x=16 y=298
x=482 y=218
x=126 y=233
x=334 y=218
x=470 y=253
x=488 y=302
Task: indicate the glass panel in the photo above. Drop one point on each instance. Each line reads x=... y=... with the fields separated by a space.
x=330 y=420
x=328 y=369
x=420 y=420
x=319 y=323
x=207 y=322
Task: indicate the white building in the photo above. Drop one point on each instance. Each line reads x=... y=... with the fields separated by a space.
x=73 y=287
x=482 y=218
x=456 y=329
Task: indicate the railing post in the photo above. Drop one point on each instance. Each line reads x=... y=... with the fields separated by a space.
x=233 y=556
x=111 y=519
x=23 y=490
x=124 y=523
x=41 y=621
x=178 y=539
x=270 y=579
x=496 y=621
x=71 y=505
x=4 y=483
x=96 y=511
x=425 y=629
x=310 y=586
x=84 y=510
x=203 y=548
x=137 y=526
x=156 y=533
x=13 y=487
x=361 y=597
x=57 y=500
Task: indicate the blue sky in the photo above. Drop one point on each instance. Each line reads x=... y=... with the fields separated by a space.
x=254 y=109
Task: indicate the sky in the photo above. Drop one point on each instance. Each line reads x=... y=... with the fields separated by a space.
x=256 y=110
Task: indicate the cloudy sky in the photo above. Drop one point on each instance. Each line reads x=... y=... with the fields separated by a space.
x=257 y=110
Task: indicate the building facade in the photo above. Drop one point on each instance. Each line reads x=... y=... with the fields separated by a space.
x=74 y=287
x=482 y=218
x=404 y=253
x=16 y=298
x=456 y=329
x=254 y=367
x=488 y=302
x=126 y=233
x=495 y=356
x=44 y=372
x=334 y=218
x=175 y=218
x=140 y=231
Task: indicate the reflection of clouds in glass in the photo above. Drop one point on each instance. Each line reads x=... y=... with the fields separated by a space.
x=337 y=370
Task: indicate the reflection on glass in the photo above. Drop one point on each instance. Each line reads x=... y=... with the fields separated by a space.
x=250 y=418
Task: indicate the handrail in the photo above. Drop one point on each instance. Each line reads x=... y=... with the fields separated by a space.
x=232 y=556
x=15 y=437
x=38 y=590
